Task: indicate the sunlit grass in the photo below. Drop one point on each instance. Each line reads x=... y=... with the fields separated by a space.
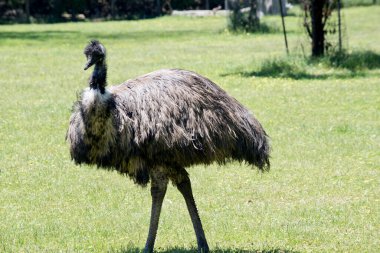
x=322 y=194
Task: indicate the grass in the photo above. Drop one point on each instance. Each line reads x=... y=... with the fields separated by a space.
x=349 y=3
x=322 y=194
x=338 y=65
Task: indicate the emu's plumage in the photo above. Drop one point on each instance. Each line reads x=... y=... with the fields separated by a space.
x=169 y=118
x=154 y=126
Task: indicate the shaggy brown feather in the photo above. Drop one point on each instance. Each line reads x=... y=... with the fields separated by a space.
x=170 y=118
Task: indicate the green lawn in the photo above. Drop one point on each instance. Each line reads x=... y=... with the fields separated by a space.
x=322 y=194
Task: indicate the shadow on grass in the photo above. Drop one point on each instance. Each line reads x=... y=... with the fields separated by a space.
x=262 y=29
x=192 y=250
x=150 y=35
x=289 y=71
x=42 y=36
x=69 y=35
x=339 y=65
x=355 y=61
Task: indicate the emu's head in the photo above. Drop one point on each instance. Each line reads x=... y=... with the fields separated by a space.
x=95 y=53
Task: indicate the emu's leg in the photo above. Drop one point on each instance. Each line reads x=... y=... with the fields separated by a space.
x=158 y=189
x=185 y=188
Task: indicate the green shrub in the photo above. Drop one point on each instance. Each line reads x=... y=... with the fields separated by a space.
x=354 y=61
x=245 y=22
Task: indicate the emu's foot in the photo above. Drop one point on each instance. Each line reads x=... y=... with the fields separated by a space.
x=148 y=250
x=203 y=248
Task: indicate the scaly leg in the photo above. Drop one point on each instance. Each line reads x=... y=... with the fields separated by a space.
x=158 y=189
x=185 y=188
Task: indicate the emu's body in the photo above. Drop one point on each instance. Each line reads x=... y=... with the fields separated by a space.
x=154 y=126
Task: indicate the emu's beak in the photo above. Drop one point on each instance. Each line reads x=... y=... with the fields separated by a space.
x=89 y=63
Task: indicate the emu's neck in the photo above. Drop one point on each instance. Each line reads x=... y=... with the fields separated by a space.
x=99 y=76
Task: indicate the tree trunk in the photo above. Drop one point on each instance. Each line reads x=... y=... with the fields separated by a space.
x=27 y=10
x=158 y=7
x=207 y=4
x=253 y=19
x=317 y=25
x=57 y=9
x=113 y=9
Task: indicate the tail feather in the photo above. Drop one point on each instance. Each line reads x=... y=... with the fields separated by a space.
x=253 y=145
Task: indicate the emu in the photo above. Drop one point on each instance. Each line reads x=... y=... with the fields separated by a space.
x=151 y=128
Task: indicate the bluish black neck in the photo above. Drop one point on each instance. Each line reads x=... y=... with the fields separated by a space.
x=98 y=79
